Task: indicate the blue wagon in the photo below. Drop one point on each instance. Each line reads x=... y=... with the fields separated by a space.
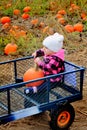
x=18 y=101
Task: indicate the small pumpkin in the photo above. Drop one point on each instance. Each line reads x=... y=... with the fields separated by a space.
x=59 y=16
x=62 y=12
x=32 y=74
x=25 y=16
x=78 y=27
x=5 y=19
x=62 y=21
x=6 y=25
x=27 y=9
x=34 y=21
x=10 y=48
x=83 y=15
x=45 y=29
x=69 y=28
x=16 y=12
x=21 y=33
x=76 y=7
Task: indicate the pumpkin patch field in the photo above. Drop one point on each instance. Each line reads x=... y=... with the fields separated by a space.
x=23 y=26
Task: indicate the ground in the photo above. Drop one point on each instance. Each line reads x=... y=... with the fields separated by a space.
x=41 y=121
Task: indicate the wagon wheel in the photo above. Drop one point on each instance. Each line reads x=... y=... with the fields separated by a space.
x=62 y=118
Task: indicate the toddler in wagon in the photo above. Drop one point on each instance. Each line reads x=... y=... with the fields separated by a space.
x=53 y=56
x=52 y=63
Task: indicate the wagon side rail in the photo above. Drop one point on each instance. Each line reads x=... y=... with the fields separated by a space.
x=15 y=103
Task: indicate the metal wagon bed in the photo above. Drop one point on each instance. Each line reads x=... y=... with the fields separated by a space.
x=17 y=101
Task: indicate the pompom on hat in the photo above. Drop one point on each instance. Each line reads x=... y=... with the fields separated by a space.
x=54 y=42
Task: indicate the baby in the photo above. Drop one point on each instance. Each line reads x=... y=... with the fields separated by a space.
x=52 y=62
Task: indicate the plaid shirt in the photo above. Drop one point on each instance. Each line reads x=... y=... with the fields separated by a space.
x=51 y=64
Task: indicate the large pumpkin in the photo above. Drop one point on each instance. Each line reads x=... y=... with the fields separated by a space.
x=10 y=48
x=32 y=74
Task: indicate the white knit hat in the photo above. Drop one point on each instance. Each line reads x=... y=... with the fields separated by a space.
x=54 y=42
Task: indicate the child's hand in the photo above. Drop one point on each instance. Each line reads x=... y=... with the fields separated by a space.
x=34 y=54
x=37 y=60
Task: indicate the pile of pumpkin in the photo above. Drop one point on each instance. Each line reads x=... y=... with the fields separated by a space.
x=16 y=31
x=69 y=27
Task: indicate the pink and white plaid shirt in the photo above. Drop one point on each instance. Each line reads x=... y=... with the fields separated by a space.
x=51 y=64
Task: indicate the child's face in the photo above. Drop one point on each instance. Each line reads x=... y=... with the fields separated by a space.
x=47 y=51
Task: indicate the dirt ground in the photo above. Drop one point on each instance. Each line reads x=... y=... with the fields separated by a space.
x=41 y=121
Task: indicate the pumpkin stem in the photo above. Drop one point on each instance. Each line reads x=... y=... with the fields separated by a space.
x=36 y=67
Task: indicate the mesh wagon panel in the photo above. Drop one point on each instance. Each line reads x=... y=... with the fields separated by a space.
x=20 y=100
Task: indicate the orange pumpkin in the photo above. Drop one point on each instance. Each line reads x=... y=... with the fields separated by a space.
x=78 y=27
x=76 y=7
x=69 y=28
x=6 y=25
x=27 y=9
x=25 y=16
x=10 y=48
x=5 y=19
x=16 y=12
x=59 y=16
x=83 y=15
x=61 y=21
x=34 y=21
x=62 y=12
x=72 y=5
x=45 y=29
x=32 y=74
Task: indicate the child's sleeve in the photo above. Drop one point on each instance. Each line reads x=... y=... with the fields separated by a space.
x=39 y=53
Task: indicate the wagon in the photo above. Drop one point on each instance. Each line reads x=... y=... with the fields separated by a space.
x=18 y=101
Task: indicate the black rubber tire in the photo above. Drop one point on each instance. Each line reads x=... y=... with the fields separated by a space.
x=55 y=116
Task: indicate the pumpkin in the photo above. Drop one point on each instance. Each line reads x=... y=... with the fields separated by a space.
x=6 y=25
x=61 y=21
x=78 y=27
x=83 y=15
x=21 y=33
x=75 y=7
x=69 y=28
x=62 y=12
x=72 y=5
x=45 y=29
x=10 y=48
x=25 y=16
x=5 y=19
x=34 y=21
x=16 y=12
x=27 y=9
x=31 y=74
x=59 y=16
